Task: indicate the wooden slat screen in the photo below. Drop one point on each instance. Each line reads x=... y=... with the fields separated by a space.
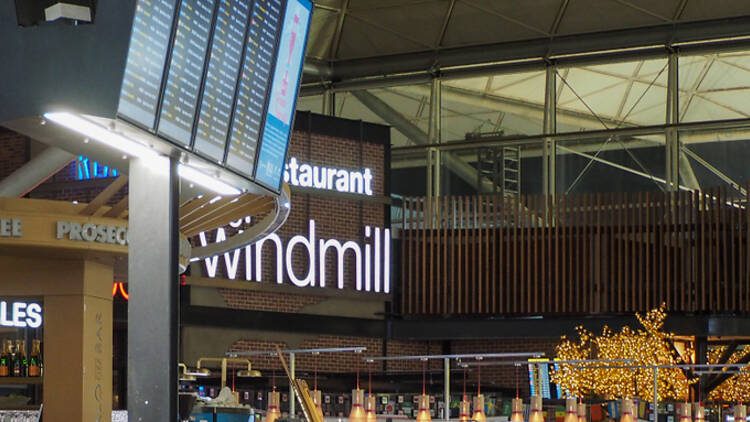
x=576 y=254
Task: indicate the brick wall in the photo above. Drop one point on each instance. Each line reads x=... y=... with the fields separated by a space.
x=345 y=362
x=15 y=151
x=503 y=376
x=335 y=218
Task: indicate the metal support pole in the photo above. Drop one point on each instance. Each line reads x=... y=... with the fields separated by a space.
x=292 y=411
x=549 y=154
x=152 y=274
x=434 y=136
x=447 y=392
x=329 y=103
x=656 y=394
x=672 y=135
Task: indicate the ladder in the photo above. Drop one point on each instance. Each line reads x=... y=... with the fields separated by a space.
x=501 y=166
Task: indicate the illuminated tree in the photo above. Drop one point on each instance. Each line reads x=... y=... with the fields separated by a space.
x=643 y=347
x=737 y=387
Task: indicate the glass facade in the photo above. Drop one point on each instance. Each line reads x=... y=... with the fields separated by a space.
x=608 y=125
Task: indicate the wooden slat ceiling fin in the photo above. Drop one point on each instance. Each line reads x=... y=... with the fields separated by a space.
x=253 y=209
x=193 y=205
x=208 y=209
x=117 y=210
x=212 y=213
x=105 y=195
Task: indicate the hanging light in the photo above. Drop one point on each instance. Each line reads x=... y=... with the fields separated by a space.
x=274 y=402
x=517 y=412
x=479 y=415
x=627 y=410
x=684 y=412
x=316 y=395
x=370 y=403
x=700 y=413
x=358 y=398
x=516 y=404
x=464 y=408
x=581 y=412
x=571 y=410
x=536 y=414
x=423 y=415
x=740 y=412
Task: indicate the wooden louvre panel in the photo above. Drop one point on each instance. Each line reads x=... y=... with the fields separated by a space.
x=576 y=253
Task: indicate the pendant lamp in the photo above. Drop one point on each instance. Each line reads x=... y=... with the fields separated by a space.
x=274 y=402
x=317 y=399
x=627 y=408
x=684 y=413
x=536 y=414
x=274 y=408
x=370 y=402
x=516 y=414
x=479 y=415
x=371 y=416
x=317 y=396
x=700 y=413
x=464 y=408
x=581 y=412
x=740 y=412
x=423 y=414
x=358 y=399
x=358 y=411
x=424 y=409
x=571 y=410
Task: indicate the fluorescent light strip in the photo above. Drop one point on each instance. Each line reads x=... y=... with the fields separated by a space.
x=100 y=133
x=208 y=182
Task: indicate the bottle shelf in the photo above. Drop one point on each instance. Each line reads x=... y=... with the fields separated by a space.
x=20 y=380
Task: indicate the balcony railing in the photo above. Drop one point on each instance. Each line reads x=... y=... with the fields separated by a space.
x=576 y=254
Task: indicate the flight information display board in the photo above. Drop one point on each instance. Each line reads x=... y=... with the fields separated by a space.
x=186 y=70
x=221 y=78
x=144 y=69
x=284 y=90
x=218 y=78
x=253 y=88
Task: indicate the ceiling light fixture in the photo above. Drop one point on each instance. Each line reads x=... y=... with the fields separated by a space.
x=100 y=133
x=208 y=182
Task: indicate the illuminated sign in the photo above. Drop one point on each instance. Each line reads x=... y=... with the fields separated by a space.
x=20 y=314
x=87 y=169
x=317 y=177
x=89 y=232
x=372 y=259
x=11 y=227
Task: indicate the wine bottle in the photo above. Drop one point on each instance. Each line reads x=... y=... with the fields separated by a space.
x=35 y=359
x=20 y=364
x=5 y=359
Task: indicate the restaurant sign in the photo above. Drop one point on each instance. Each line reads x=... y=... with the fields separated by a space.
x=371 y=259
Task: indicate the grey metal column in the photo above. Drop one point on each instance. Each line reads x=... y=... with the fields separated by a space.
x=329 y=103
x=447 y=392
x=434 y=137
x=549 y=155
x=152 y=277
x=292 y=398
x=672 y=136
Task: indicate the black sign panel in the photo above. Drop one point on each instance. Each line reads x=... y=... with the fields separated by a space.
x=221 y=79
x=253 y=89
x=149 y=43
x=186 y=70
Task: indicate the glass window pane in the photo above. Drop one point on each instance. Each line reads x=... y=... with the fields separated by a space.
x=714 y=86
x=612 y=95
